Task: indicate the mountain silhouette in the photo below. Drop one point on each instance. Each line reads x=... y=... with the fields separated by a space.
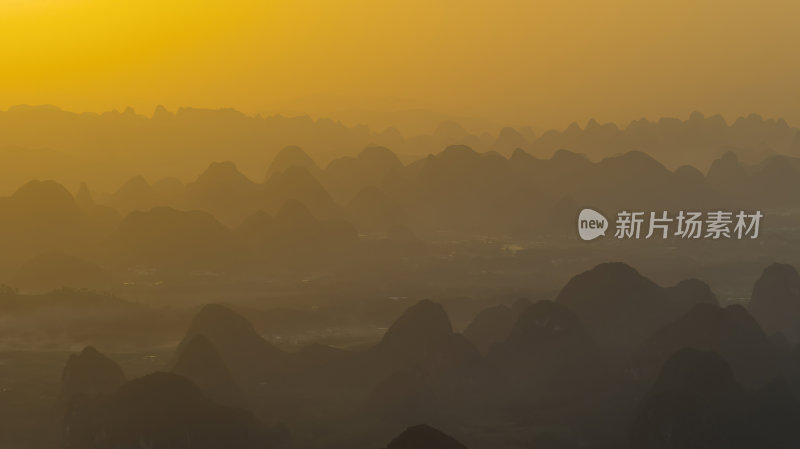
x=84 y=197
x=101 y=148
x=42 y=216
x=164 y=236
x=249 y=357
x=775 y=301
x=380 y=160
x=421 y=365
x=89 y=374
x=730 y=332
x=423 y=335
x=424 y=437
x=620 y=307
x=489 y=326
x=690 y=175
x=45 y=199
x=777 y=176
x=450 y=132
x=509 y=140
x=297 y=183
x=346 y=176
x=223 y=191
x=134 y=194
x=102 y=219
x=166 y=410
x=690 y=292
x=457 y=185
x=602 y=186
x=88 y=381
x=292 y=156
x=200 y=362
x=696 y=141
x=697 y=403
x=547 y=354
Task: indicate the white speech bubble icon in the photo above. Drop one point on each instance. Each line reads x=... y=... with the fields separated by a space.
x=591 y=224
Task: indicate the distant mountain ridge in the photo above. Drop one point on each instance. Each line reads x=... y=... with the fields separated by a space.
x=101 y=148
x=456 y=190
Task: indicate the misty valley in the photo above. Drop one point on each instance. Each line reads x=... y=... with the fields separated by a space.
x=362 y=298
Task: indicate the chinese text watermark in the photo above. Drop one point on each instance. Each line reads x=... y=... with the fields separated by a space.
x=715 y=225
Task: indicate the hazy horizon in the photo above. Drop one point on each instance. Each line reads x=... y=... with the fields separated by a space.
x=410 y=122
x=545 y=64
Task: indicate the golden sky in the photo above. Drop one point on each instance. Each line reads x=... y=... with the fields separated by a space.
x=544 y=63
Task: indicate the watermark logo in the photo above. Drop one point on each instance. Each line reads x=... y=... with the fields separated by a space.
x=591 y=224
x=715 y=225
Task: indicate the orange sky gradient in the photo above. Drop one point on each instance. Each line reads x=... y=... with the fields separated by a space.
x=543 y=63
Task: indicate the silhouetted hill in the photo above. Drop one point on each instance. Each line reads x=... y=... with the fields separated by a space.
x=690 y=175
x=163 y=236
x=84 y=197
x=727 y=174
x=424 y=322
x=423 y=335
x=135 y=194
x=88 y=381
x=690 y=292
x=223 y=191
x=166 y=410
x=773 y=182
x=249 y=357
x=454 y=188
x=380 y=160
x=45 y=199
x=297 y=183
x=200 y=362
x=635 y=180
x=421 y=366
x=462 y=189
x=292 y=156
x=509 y=140
x=42 y=216
x=346 y=176
x=767 y=184
x=775 y=301
x=547 y=355
x=102 y=219
x=730 y=332
x=447 y=133
x=620 y=307
x=697 y=403
x=490 y=326
x=89 y=374
x=424 y=437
